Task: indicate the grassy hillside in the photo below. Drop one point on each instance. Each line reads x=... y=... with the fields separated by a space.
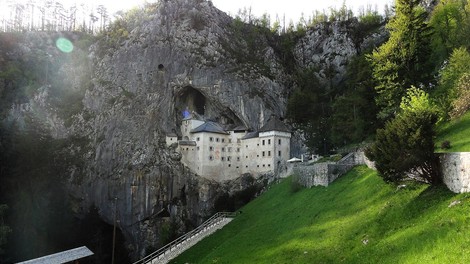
x=457 y=132
x=358 y=219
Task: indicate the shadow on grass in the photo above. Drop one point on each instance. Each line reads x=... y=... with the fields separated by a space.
x=431 y=198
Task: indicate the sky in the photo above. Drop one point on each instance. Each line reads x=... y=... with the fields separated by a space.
x=292 y=9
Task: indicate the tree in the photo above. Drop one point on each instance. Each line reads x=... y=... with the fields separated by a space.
x=447 y=22
x=462 y=103
x=403 y=60
x=354 y=112
x=405 y=147
x=309 y=108
x=447 y=90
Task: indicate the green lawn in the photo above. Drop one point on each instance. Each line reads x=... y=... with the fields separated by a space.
x=457 y=132
x=357 y=219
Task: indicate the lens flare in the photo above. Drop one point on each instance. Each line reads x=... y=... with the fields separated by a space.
x=64 y=45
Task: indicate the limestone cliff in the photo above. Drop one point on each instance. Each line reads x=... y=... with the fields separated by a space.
x=175 y=55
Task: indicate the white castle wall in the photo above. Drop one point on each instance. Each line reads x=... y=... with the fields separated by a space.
x=222 y=157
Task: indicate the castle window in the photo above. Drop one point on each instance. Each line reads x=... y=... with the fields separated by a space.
x=279 y=141
x=216 y=139
x=223 y=149
x=211 y=139
x=211 y=148
x=257 y=145
x=246 y=156
x=264 y=165
x=263 y=142
x=237 y=167
x=269 y=153
x=264 y=154
x=198 y=139
x=269 y=141
x=211 y=157
x=238 y=158
x=229 y=140
x=257 y=156
x=257 y=166
x=187 y=148
x=279 y=153
x=238 y=149
x=223 y=158
x=197 y=148
x=230 y=165
x=223 y=140
x=269 y=165
x=229 y=158
x=246 y=166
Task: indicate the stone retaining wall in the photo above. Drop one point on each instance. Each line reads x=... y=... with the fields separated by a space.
x=322 y=174
x=455 y=170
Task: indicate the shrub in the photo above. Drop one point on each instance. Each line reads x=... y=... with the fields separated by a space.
x=462 y=103
x=295 y=184
x=406 y=144
x=445 y=144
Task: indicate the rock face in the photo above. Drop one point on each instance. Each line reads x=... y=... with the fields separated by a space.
x=176 y=55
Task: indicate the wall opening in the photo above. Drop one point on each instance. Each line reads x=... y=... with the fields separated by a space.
x=191 y=100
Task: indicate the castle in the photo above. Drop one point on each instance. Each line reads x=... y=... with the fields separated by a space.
x=224 y=153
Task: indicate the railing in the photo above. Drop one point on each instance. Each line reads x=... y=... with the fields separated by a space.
x=178 y=242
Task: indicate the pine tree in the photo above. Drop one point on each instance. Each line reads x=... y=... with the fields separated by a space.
x=403 y=61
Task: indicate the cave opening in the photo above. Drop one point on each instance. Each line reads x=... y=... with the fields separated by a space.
x=191 y=100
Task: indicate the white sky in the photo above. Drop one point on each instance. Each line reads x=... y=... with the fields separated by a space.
x=291 y=8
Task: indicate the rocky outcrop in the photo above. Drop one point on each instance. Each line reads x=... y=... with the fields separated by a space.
x=328 y=47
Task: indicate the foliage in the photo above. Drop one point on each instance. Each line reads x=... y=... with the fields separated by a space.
x=309 y=108
x=230 y=203
x=354 y=112
x=455 y=131
x=447 y=90
x=4 y=229
x=53 y=16
x=168 y=231
x=295 y=185
x=405 y=147
x=451 y=24
x=374 y=221
x=462 y=103
x=404 y=59
x=32 y=184
x=416 y=100
x=445 y=145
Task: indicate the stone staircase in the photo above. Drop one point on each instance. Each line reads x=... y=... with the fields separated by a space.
x=179 y=245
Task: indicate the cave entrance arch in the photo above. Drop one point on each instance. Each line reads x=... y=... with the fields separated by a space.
x=190 y=100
